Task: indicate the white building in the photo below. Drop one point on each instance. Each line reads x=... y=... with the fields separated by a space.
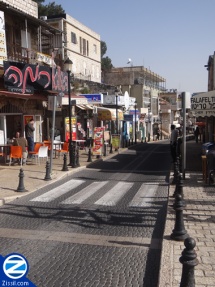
x=81 y=44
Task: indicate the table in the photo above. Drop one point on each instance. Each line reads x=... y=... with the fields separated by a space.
x=57 y=146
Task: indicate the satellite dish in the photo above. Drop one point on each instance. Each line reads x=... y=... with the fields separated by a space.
x=108 y=99
x=129 y=61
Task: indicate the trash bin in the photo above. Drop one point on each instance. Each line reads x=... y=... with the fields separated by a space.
x=207 y=147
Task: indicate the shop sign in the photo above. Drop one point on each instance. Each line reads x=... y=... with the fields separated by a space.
x=115 y=140
x=24 y=78
x=202 y=103
x=3 y=48
x=59 y=80
x=74 y=129
x=128 y=118
x=94 y=98
x=98 y=140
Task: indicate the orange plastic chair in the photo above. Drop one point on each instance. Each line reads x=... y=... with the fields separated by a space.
x=15 y=152
x=48 y=144
x=65 y=149
x=36 y=149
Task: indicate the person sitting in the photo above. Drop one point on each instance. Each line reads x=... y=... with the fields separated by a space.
x=21 y=141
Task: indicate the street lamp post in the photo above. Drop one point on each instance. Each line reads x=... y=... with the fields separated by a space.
x=68 y=67
x=135 y=123
x=116 y=113
x=161 y=122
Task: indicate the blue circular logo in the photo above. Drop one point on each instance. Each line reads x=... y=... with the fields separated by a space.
x=15 y=266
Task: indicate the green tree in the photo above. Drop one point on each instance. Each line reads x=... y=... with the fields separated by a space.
x=50 y=9
x=106 y=63
x=103 y=48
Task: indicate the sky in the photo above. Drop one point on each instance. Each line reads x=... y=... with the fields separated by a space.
x=172 y=38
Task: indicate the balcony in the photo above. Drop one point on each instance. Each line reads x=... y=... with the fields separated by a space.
x=17 y=53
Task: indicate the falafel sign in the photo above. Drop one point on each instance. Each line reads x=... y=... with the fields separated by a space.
x=203 y=104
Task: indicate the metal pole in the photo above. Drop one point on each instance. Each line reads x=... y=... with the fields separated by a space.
x=52 y=135
x=135 y=124
x=116 y=114
x=161 y=123
x=184 y=135
x=70 y=120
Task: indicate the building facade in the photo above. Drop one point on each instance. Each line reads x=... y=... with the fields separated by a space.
x=145 y=86
x=82 y=45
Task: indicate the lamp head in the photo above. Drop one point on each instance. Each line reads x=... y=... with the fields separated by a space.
x=68 y=65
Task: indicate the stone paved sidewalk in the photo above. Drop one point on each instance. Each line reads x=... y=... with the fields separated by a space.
x=199 y=221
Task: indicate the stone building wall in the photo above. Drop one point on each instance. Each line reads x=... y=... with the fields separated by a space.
x=26 y=6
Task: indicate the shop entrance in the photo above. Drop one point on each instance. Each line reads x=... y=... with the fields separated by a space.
x=9 y=125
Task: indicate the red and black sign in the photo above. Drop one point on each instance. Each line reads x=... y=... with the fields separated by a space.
x=25 y=78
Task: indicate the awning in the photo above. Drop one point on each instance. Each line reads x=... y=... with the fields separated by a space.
x=105 y=114
x=80 y=100
x=23 y=96
x=200 y=124
x=203 y=105
x=85 y=107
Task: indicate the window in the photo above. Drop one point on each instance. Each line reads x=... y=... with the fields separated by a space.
x=81 y=51
x=94 y=48
x=73 y=38
x=84 y=47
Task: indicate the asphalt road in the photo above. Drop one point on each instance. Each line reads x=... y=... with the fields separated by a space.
x=102 y=226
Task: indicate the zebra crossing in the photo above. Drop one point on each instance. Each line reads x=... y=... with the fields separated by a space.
x=143 y=198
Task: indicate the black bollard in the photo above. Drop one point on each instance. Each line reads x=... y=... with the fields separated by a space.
x=21 y=184
x=105 y=150
x=177 y=180
x=132 y=141
x=73 y=156
x=141 y=139
x=180 y=186
x=89 y=155
x=65 y=167
x=189 y=261
x=176 y=169
x=126 y=143
x=77 y=157
x=129 y=142
x=145 y=139
x=47 y=176
x=179 y=233
x=111 y=148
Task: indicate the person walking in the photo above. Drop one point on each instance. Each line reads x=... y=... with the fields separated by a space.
x=29 y=133
x=21 y=141
x=158 y=134
x=173 y=142
x=196 y=134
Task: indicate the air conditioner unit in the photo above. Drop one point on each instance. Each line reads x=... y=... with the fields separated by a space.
x=44 y=18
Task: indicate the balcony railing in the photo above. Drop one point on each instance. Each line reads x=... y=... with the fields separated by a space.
x=17 y=53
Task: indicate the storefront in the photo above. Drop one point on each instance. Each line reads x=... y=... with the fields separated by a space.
x=107 y=118
x=14 y=113
x=203 y=107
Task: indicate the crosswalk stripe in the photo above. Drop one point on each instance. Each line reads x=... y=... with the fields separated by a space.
x=145 y=195
x=115 y=194
x=58 y=191
x=84 y=193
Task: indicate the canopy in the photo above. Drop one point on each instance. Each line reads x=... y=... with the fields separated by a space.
x=203 y=105
x=105 y=114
